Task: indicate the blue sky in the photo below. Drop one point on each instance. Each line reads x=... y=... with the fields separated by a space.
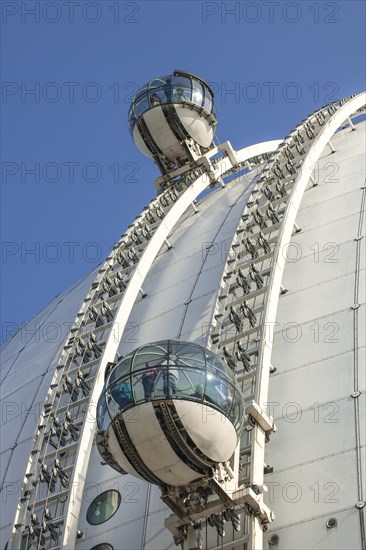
x=72 y=179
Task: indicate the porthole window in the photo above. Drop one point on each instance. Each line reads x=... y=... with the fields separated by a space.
x=103 y=546
x=103 y=507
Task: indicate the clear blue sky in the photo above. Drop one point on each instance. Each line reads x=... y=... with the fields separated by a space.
x=85 y=60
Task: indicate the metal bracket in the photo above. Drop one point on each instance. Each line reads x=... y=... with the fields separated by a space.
x=254 y=501
x=259 y=416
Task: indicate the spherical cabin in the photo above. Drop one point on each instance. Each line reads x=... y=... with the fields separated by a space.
x=168 y=113
x=169 y=412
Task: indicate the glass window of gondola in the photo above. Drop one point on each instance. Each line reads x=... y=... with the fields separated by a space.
x=147 y=354
x=180 y=370
x=113 y=408
x=217 y=367
x=121 y=393
x=184 y=354
x=236 y=414
x=150 y=354
x=141 y=104
x=208 y=100
x=102 y=416
x=197 y=95
x=138 y=388
x=181 y=89
x=122 y=368
x=157 y=97
x=161 y=88
x=143 y=89
x=212 y=394
x=158 y=82
x=227 y=392
x=191 y=383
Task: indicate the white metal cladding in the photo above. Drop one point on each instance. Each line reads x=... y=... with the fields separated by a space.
x=28 y=360
x=210 y=430
x=261 y=390
x=161 y=133
x=198 y=127
x=319 y=127
x=188 y=273
x=311 y=392
x=212 y=433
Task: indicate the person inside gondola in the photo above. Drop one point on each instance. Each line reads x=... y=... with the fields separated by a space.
x=178 y=95
x=122 y=393
x=155 y=100
x=148 y=380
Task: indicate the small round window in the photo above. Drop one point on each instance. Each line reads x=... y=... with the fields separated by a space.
x=103 y=507
x=103 y=546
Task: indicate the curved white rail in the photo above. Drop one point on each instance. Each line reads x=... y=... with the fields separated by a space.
x=273 y=293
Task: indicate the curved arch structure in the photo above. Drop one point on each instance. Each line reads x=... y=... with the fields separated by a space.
x=264 y=362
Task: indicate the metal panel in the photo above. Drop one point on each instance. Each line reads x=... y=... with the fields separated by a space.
x=314 y=533
x=198 y=313
x=298 y=344
x=48 y=329
x=319 y=382
x=210 y=430
x=308 y=435
x=319 y=300
x=16 y=409
x=156 y=535
x=301 y=493
x=344 y=204
x=320 y=261
x=162 y=323
x=337 y=182
x=127 y=536
x=38 y=364
x=155 y=450
x=12 y=483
